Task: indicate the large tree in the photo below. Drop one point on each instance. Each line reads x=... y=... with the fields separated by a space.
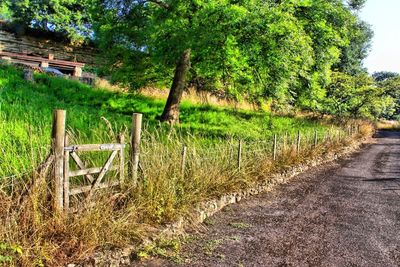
x=358 y=96
x=241 y=48
x=389 y=84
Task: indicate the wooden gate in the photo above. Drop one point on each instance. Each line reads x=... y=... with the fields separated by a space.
x=95 y=183
x=93 y=176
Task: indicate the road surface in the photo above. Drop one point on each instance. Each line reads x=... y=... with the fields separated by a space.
x=343 y=214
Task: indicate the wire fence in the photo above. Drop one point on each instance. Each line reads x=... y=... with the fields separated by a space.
x=149 y=152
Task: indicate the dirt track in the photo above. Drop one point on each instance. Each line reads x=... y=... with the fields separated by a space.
x=344 y=214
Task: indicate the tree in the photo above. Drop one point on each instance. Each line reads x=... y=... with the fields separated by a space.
x=280 y=52
x=357 y=49
x=356 y=4
x=389 y=83
x=382 y=76
x=171 y=110
x=328 y=25
x=241 y=48
x=357 y=96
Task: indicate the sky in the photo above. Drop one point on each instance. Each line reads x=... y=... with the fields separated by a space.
x=384 y=17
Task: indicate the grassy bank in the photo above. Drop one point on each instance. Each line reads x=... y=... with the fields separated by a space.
x=30 y=234
x=26 y=114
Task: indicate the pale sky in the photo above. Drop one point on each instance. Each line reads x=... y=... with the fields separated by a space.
x=384 y=17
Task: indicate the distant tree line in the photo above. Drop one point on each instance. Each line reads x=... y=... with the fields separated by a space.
x=304 y=54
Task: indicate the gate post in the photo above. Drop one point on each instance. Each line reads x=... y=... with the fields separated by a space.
x=58 y=139
x=135 y=145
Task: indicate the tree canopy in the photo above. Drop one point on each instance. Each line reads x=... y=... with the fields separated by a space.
x=292 y=54
x=282 y=51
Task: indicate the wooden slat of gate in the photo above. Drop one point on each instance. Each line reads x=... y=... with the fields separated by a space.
x=95 y=147
x=89 y=171
x=103 y=172
x=82 y=166
x=84 y=189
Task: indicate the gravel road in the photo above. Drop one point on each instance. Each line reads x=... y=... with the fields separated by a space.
x=343 y=214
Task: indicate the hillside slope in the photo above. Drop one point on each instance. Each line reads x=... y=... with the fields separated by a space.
x=26 y=114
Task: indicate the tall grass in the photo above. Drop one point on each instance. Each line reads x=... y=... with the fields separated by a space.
x=125 y=216
x=31 y=235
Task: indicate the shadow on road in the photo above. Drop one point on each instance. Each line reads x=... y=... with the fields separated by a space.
x=381 y=179
x=387 y=134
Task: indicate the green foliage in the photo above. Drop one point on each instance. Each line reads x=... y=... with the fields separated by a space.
x=9 y=252
x=5 y=12
x=381 y=76
x=69 y=17
x=357 y=96
x=356 y=4
x=278 y=51
x=360 y=36
x=389 y=85
x=243 y=49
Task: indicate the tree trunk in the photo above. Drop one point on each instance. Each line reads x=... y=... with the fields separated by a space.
x=171 y=110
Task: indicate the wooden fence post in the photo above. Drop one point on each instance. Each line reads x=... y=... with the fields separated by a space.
x=315 y=138
x=298 y=142
x=285 y=142
x=135 y=145
x=183 y=161
x=66 y=175
x=58 y=136
x=274 y=147
x=330 y=138
x=239 y=158
x=122 y=159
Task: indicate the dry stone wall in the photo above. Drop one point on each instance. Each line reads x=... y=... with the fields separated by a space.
x=9 y=42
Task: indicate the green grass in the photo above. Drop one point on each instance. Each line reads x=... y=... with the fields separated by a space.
x=32 y=236
x=26 y=116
